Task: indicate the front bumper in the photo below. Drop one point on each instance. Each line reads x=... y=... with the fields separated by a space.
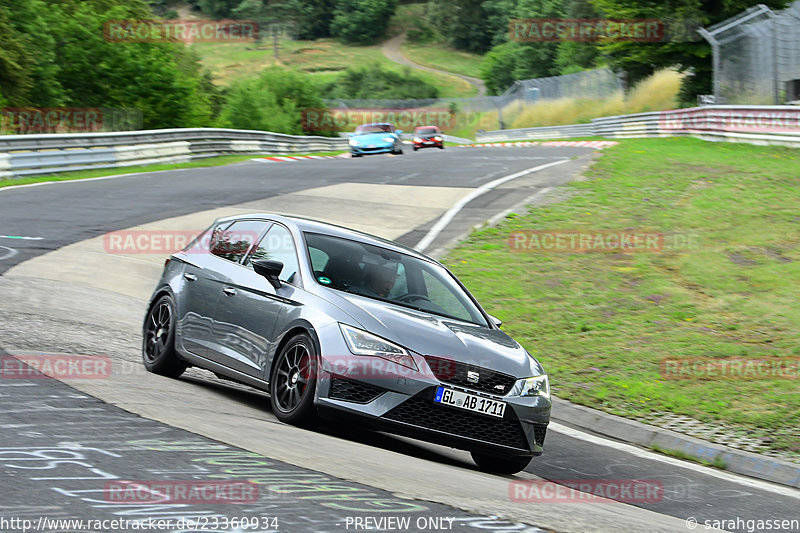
x=403 y=404
x=429 y=144
x=376 y=149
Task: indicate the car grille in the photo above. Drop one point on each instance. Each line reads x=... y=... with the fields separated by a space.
x=420 y=411
x=455 y=373
x=539 y=433
x=353 y=391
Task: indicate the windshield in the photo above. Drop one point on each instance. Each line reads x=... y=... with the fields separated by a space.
x=374 y=128
x=427 y=131
x=389 y=276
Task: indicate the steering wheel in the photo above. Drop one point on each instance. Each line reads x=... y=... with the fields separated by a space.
x=411 y=296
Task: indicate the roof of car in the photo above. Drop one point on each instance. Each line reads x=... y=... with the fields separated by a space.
x=317 y=226
x=431 y=126
x=377 y=124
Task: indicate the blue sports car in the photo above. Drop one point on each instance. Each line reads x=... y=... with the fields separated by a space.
x=376 y=138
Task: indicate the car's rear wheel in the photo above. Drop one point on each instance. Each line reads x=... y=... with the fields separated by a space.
x=500 y=465
x=158 y=344
x=294 y=382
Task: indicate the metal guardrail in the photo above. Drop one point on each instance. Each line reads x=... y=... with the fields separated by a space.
x=752 y=124
x=29 y=155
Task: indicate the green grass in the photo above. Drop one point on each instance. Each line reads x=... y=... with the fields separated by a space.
x=101 y=172
x=443 y=57
x=324 y=58
x=601 y=323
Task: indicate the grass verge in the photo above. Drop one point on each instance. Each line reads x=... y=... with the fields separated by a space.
x=723 y=286
x=716 y=463
x=102 y=172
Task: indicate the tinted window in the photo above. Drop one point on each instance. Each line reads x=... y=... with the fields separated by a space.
x=278 y=245
x=387 y=275
x=233 y=242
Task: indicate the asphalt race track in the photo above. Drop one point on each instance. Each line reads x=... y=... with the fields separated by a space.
x=63 y=292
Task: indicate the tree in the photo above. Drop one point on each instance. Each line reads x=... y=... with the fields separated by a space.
x=462 y=23
x=361 y=21
x=61 y=58
x=314 y=18
x=639 y=60
x=218 y=9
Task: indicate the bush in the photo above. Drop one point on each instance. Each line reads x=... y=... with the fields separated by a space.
x=274 y=101
x=372 y=81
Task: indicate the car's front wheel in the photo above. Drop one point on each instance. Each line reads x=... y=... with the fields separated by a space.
x=158 y=344
x=500 y=465
x=294 y=382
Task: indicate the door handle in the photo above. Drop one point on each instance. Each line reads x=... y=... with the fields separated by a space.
x=190 y=277
x=230 y=291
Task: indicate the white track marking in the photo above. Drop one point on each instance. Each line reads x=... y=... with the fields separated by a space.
x=8 y=253
x=450 y=215
x=651 y=456
x=21 y=238
x=84 y=180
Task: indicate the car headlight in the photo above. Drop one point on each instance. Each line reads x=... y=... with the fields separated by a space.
x=360 y=342
x=353 y=142
x=388 y=139
x=536 y=386
x=438 y=138
x=417 y=140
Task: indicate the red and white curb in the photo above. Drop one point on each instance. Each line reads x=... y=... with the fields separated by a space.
x=587 y=144
x=282 y=158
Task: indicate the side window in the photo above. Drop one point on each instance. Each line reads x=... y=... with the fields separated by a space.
x=319 y=259
x=234 y=242
x=278 y=245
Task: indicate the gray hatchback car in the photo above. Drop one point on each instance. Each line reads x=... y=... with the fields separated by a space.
x=334 y=322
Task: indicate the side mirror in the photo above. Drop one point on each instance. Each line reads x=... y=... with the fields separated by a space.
x=398 y=131
x=496 y=321
x=269 y=269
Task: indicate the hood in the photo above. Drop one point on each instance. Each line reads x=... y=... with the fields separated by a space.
x=373 y=138
x=429 y=334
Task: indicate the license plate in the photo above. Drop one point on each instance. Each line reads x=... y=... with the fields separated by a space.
x=470 y=402
x=427 y=142
x=371 y=146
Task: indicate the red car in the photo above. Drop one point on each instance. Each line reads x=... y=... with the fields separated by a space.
x=428 y=137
